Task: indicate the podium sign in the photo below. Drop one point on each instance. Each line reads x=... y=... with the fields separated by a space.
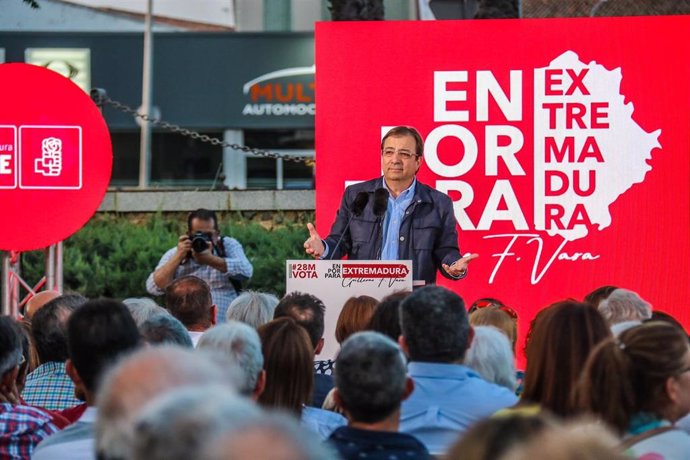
x=335 y=281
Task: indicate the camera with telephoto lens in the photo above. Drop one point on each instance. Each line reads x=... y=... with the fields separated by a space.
x=200 y=241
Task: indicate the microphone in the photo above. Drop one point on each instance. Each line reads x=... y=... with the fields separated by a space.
x=358 y=206
x=380 y=201
x=380 y=207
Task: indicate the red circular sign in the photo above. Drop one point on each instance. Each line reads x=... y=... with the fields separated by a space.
x=55 y=157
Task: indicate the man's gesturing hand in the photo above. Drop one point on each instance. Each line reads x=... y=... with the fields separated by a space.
x=313 y=246
x=459 y=267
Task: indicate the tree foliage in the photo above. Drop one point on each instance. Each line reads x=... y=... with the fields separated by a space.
x=112 y=255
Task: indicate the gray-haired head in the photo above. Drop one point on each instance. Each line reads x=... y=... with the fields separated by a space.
x=370 y=376
x=624 y=305
x=491 y=355
x=142 y=308
x=271 y=436
x=180 y=423
x=241 y=344
x=10 y=345
x=139 y=379
x=164 y=328
x=253 y=308
x=435 y=326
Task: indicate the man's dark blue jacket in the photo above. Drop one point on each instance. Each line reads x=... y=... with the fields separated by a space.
x=428 y=235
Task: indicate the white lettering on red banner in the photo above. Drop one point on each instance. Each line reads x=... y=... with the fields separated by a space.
x=374 y=271
x=8 y=157
x=579 y=134
x=588 y=149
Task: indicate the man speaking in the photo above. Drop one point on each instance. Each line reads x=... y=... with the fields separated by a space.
x=396 y=217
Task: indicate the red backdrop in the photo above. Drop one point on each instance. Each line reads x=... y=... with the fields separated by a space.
x=568 y=138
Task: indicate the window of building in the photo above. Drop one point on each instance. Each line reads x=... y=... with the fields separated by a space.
x=180 y=161
x=72 y=63
x=280 y=174
x=176 y=160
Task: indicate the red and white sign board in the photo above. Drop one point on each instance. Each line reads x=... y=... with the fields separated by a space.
x=55 y=157
x=564 y=144
x=335 y=281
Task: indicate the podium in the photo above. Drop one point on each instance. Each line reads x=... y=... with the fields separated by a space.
x=335 y=281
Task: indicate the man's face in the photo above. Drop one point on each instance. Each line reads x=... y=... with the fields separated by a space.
x=205 y=226
x=399 y=161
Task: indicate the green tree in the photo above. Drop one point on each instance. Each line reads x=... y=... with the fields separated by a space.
x=113 y=254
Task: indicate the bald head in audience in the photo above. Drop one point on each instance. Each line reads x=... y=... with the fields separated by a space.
x=37 y=301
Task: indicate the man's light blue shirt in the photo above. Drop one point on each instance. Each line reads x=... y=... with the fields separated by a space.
x=394 y=217
x=321 y=422
x=446 y=401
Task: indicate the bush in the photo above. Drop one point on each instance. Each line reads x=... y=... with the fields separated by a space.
x=112 y=255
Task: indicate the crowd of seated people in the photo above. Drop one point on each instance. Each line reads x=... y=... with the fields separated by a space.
x=418 y=375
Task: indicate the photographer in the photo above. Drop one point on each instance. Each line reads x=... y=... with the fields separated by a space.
x=204 y=253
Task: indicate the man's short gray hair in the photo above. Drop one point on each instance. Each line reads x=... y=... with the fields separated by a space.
x=164 y=328
x=140 y=378
x=271 y=432
x=142 y=308
x=624 y=305
x=180 y=423
x=370 y=376
x=253 y=308
x=242 y=345
x=491 y=355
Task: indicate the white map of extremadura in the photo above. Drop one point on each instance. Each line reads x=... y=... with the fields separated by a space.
x=588 y=148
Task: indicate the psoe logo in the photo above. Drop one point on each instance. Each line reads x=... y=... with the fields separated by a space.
x=284 y=92
x=41 y=157
x=302 y=271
